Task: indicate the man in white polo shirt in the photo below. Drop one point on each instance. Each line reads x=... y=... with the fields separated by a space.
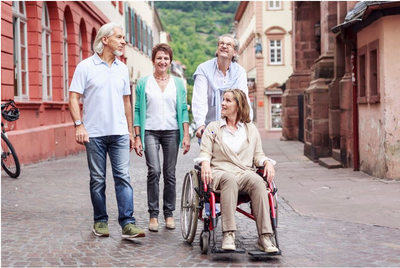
x=106 y=127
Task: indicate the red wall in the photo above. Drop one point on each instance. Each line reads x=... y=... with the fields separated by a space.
x=45 y=129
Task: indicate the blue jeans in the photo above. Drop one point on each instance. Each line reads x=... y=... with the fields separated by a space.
x=117 y=147
x=169 y=141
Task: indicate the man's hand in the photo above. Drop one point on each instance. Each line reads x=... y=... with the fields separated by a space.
x=131 y=142
x=138 y=147
x=269 y=169
x=81 y=135
x=186 y=145
x=206 y=175
x=199 y=132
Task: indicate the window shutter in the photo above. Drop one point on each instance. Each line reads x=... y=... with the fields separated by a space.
x=149 y=42
x=133 y=27
x=127 y=22
x=144 y=37
x=138 y=33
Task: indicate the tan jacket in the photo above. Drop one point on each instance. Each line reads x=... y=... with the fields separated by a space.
x=222 y=158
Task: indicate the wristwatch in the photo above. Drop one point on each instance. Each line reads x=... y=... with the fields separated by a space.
x=137 y=135
x=78 y=123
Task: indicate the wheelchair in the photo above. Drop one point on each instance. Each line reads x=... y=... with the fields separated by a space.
x=196 y=195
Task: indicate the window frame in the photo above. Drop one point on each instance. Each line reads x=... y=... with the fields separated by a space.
x=46 y=36
x=275 y=48
x=270 y=111
x=274 y=7
x=374 y=45
x=365 y=52
x=362 y=53
x=65 y=59
x=18 y=20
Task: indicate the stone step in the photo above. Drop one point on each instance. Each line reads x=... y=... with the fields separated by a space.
x=329 y=163
x=336 y=154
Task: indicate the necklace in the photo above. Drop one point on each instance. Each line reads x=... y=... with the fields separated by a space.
x=233 y=128
x=161 y=78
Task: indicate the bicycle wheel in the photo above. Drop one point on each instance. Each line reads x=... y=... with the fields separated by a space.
x=9 y=159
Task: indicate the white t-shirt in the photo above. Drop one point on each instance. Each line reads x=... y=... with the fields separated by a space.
x=102 y=88
x=161 y=106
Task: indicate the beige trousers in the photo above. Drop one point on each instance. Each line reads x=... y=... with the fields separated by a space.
x=230 y=185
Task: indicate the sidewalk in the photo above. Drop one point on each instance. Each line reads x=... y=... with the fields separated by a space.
x=339 y=194
x=326 y=218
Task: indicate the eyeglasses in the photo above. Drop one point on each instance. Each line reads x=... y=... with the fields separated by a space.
x=221 y=44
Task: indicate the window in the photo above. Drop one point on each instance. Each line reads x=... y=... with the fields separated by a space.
x=138 y=25
x=276 y=109
x=368 y=73
x=80 y=46
x=150 y=41
x=144 y=31
x=65 y=59
x=373 y=72
x=274 y=5
x=127 y=22
x=275 y=52
x=362 y=90
x=133 y=37
x=46 y=54
x=92 y=40
x=20 y=50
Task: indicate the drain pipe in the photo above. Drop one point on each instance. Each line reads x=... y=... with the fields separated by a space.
x=355 y=103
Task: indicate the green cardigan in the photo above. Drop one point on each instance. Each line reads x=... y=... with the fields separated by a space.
x=141 y=107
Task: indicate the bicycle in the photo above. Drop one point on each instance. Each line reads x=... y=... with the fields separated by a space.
x=9 y=158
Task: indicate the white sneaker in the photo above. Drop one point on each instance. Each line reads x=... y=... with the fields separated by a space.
x=265 y=244
x=228 y=241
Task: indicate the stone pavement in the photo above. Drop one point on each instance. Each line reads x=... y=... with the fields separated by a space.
x=326 y=218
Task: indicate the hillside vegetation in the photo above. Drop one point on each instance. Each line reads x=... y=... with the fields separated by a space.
x=194 y=28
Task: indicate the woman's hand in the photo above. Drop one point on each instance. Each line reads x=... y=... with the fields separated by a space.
x=186 y=144
x=138 y=147
x=270 y=170
x=206 y=175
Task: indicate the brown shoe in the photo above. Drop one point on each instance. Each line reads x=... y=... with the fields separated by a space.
x=228 y=241
x=170 y=223
x=265 y=244
x=153 y=225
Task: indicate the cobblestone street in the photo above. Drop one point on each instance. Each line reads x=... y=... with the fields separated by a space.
x=47 y=218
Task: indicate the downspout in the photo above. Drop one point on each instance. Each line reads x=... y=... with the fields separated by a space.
x=355 y=103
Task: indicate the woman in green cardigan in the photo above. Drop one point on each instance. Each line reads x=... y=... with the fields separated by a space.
x=161 y=120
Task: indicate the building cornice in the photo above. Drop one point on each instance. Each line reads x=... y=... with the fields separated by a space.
x=240 y=10
x=94 y=11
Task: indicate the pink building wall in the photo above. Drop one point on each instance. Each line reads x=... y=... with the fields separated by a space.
x=45 y=129
x=379 y=123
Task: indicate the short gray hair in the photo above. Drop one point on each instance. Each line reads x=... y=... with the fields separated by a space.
x=234 y=40
x=105 y=30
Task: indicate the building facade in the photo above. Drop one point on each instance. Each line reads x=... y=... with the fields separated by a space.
x=41 y=44
x=264 y=33
x=340 y=99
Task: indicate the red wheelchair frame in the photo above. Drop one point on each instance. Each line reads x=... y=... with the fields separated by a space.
x=193 y=202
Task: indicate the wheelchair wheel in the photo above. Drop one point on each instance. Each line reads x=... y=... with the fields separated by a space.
x=204 y=242
x=275 y=235
x=189 y=203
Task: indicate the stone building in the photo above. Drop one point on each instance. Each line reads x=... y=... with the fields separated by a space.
x=264 y=33
x=340 y=99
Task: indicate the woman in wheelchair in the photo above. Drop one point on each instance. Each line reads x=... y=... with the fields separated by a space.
x=230 y=148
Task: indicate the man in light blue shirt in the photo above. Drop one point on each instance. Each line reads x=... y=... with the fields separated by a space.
x=106 y=126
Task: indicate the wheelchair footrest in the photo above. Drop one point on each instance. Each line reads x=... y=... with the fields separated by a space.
x=259 y=253
x=220 y=250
